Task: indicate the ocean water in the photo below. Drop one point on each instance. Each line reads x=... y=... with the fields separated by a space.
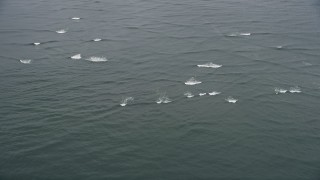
x=61 y=118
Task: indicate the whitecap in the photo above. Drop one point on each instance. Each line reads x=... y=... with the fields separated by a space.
x=61 y=31
x=192 y=81
x=202 y=94
x=75 y=18
x=163 y=99
x=36 y=43
x=25 y=61
x=295 y=89
x=125 y=101
x=97 y=59
x=189 y=94
x=239 y=34
x=280 y=90
x=77 y=56
x=209 y=65
x=245 y=34
x=279 y=47
x=97 y=39
x=233 y=35
x=231 y=99
x=213 y=93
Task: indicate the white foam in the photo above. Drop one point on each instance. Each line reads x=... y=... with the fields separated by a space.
x=231 y=99
x=61 y=31
x=280 y=90
x=295 y=89
x=202 y=94
x=25 y=61
x=77 y=56
x=189 y=94
x=192 y=81
x=213 y=93
x=245 y=34
x=97 y=59
x=163 y=99
x=36 y=43
x=75 y=18
x=279 y=47
x=239 y=34
x=233 y=35
x=209 y=65
x=125 y=101
x=97 y=39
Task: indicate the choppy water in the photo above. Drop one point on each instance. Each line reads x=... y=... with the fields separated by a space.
x=61 y=117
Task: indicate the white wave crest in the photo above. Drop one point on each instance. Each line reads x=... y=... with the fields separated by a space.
x=125 y=101
x=77 y=56
x=75 y=18
x=202 y=94
x=36 y=43
x=209 y=65
x=97 y=39
x=188 y=94
x=231 y=100
x=61 y=31
x=245 y=34
x=192 y=81
x=239 y=34
x=163 y=99
x=25 y=61
x=295 y=89
x=213 y=93
x=97 y=59
x=280 y=90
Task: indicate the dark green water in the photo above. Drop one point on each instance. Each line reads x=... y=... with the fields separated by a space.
x=61 y=118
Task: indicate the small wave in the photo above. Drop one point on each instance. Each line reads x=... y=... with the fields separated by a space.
x=295 y=89
x=239 y=34
x=202 y=94
x=213 y=93
x=36 y=43
x=245 y=34
x=77 y=56
x=306 y=63
x=280 y=90
x=97 y=40
x=231 y=100
x=189 y=94
x=125 y=101
x=61 y=31
x=75 y=18
x=25 y=61
x=209 y=65
x=97 y=59
x=192 y=81
x=279 y=47
x=163 y=99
